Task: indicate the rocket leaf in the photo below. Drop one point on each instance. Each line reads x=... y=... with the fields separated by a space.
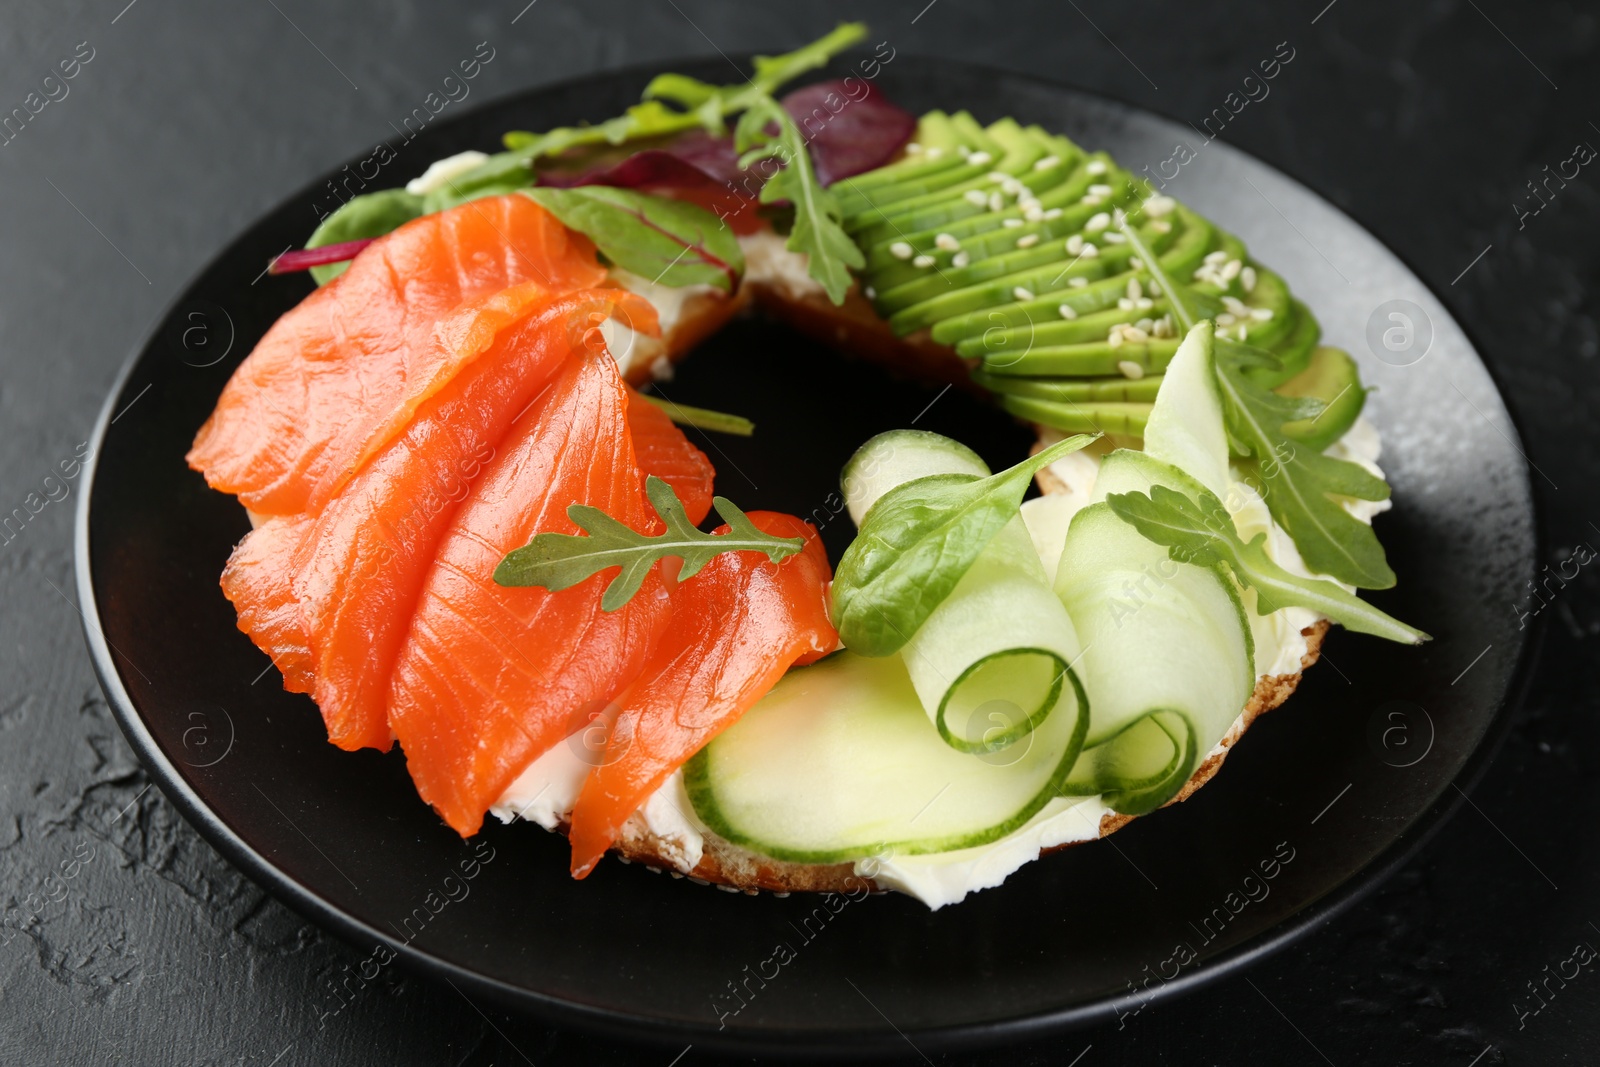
x=1201 y=532
x=818 y=232
x=1298 y=483
x=559 y=561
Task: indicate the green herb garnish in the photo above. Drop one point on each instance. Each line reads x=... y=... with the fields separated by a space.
x=669 y=242
x=559 y=561
x=367 y=215
x=702 y=105
x=673 y=103
x=1295 y=481
x=818 y=230
x=915 y=544
x=1201 y=532
x=702 y=418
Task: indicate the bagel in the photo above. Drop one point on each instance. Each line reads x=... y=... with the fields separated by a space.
x=965 y=282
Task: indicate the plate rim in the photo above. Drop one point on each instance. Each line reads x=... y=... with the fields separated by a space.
x=785 y=1042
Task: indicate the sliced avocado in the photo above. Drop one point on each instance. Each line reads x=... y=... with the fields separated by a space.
x=1058 y=186
x=1075 y=390
x=1039 y=320
x=1121 y=419
x=1056 y=273
x=862 y=207
x=1181 y=248
x=939 y=279
x=863 y=201
x=1294 y=350
x=937 y=140
x=1099 y=359
x=1063 y=216
x=1016 y=152
x=1332 y=377
x=1191 y=239
x=974 y=135
x=1271 y=294
x=1085 y=329
x=1044 y=308
x=1053 y=184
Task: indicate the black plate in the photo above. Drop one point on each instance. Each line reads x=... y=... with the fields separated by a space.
x=1365 y=761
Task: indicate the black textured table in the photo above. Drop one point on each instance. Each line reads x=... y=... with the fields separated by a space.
x=125 y=939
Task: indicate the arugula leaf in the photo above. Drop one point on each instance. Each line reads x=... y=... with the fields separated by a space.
x=701 y=418
x=1201 y=532
x=649 y=118
x=365 y=216
x=773 y=71
x=559 y=561
x=818 y=229
x=915 y=544
x=705 y=106
x=1294 y=480
x=671 y=242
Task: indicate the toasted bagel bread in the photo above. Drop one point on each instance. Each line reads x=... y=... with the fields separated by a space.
x=734 y=868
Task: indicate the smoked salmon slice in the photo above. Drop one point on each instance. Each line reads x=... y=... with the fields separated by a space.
x=352 y=577
x=257 y=581
x=662 y=450
x=491 y=677
x=340 y=375
x=736 y=627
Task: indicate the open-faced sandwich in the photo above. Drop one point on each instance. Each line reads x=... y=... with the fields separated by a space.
x=476 y=533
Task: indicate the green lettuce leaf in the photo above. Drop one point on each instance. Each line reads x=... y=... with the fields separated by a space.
x=915 y=544
x=361 y=217
x=670 y=242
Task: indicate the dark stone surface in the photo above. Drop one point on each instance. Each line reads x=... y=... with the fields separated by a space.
x=192 y=119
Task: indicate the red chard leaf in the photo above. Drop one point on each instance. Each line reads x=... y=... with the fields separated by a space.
x=849 y=127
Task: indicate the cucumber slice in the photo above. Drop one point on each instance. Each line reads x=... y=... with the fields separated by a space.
x=897 y=456
x=1332 y=377
x=1131 y=471
x=1168 y=660
x=1169 y=653
x=989 y=664
x=1186 y=427
x=838 y=762
x=990 y=661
